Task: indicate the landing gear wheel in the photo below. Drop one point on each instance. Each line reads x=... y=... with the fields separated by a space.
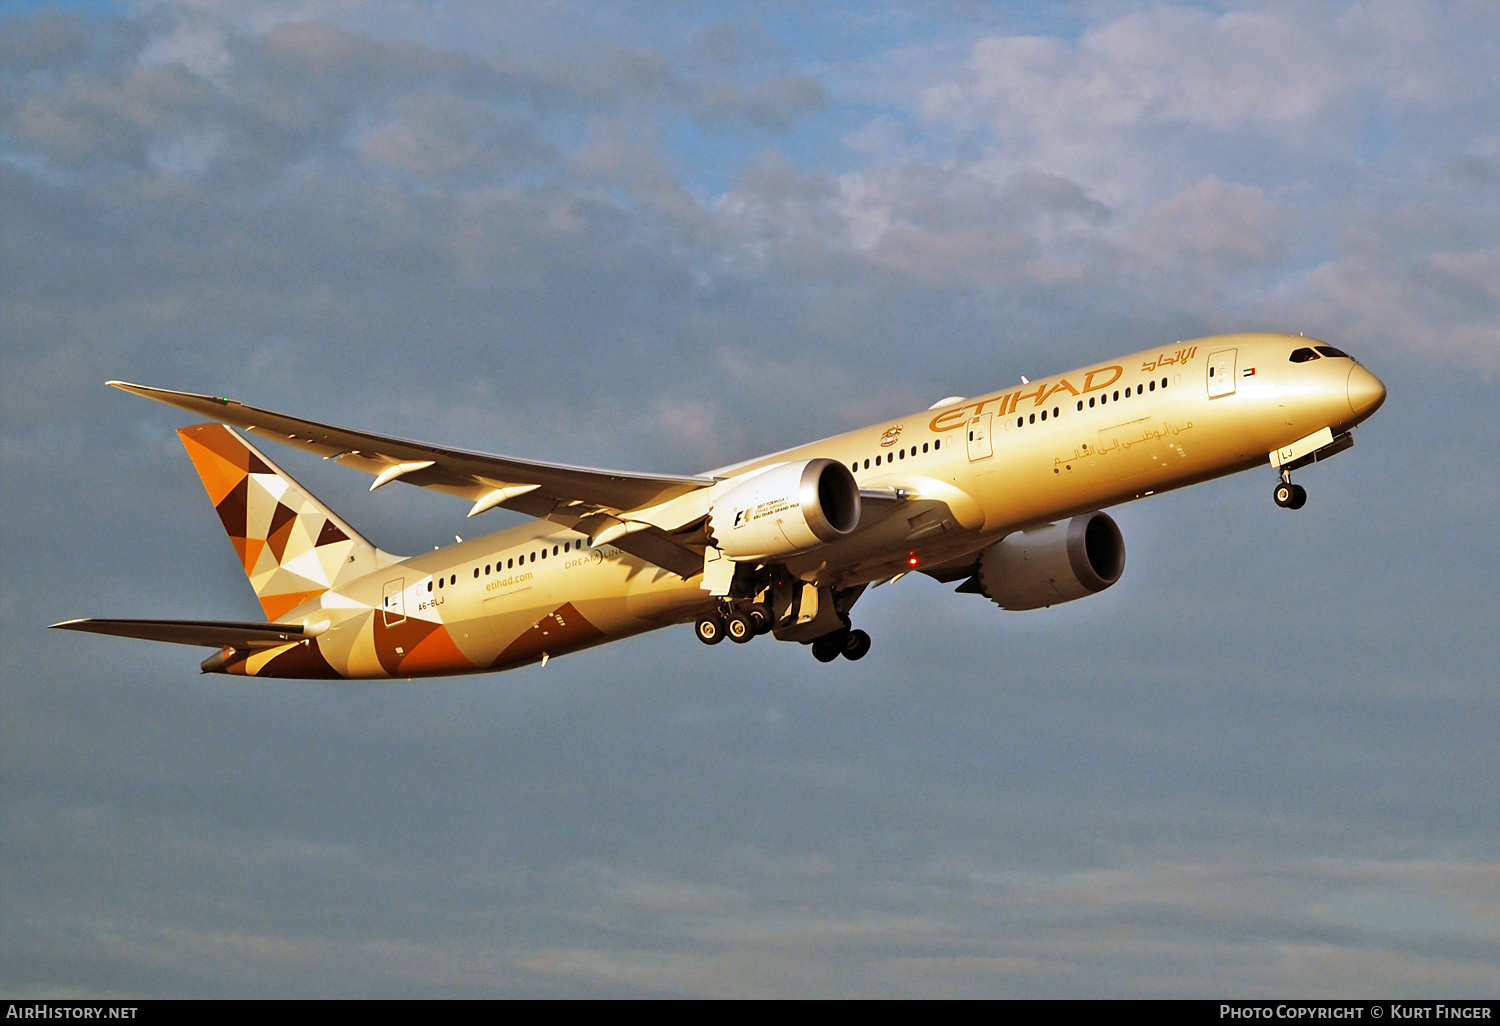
x=827 y=648
x=856 y=644
x=710 y=630
x=739 y=628
x=760 y=618
x=1290 y=496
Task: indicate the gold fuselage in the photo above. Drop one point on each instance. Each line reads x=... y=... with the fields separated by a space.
x=967 y=472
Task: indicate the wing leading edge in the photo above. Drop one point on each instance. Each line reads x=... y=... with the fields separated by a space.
x=552 y=490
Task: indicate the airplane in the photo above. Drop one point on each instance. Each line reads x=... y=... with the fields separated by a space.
x=1002 y=493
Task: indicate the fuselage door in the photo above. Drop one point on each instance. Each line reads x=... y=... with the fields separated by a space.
x=979 y=437
x=394 y=607
x=1221 y=373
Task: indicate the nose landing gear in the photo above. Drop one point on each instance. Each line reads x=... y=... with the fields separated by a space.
x=1288 y=495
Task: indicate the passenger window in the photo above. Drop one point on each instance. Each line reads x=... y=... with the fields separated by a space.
x=1299 y=356
x=1117 y=395
x=1020 y=422
x=937 y=444
x=476 y=572
x=1055 y=412
x=1032 y=419
x=429 y=585
x=554 y=550
x=1153 y=385
x=1044 y=415
x=924 y=446
x=867 y=464
x=440 y=582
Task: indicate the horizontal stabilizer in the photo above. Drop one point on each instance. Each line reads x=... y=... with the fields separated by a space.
x=214 y=633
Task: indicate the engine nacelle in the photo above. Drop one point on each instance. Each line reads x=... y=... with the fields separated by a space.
x=1057 y=563
x=786 y=510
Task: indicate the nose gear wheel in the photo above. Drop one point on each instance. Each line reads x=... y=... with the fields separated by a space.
x=1290 y=496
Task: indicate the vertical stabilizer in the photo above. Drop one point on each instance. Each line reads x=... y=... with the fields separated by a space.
x=293 y=548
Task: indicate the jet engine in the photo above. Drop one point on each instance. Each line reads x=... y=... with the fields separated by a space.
x=785 y=510
x=1057 y=563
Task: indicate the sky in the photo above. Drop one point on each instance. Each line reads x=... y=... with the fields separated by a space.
x=665 y=237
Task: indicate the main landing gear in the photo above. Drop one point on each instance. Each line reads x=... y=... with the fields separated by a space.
x=851 y=644
x=1288 y=495
x=740 y=626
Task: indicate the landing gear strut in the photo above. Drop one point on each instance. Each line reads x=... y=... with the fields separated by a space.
x=1288 y=495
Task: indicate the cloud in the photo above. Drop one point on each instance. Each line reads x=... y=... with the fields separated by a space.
x=1216 y=227
x=1439 y=302
x=770 y=106
x=432 y=133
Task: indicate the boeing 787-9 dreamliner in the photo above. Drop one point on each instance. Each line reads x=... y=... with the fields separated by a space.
x=1001 y=493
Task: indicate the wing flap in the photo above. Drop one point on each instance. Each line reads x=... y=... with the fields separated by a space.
x=655 y=546
x=475 y=476
x=213 y=633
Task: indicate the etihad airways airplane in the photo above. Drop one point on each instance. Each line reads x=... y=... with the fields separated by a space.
x=1001 y=492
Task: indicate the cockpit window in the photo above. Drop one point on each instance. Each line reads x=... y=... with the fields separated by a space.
x=1303 y=355
x=1330 y=351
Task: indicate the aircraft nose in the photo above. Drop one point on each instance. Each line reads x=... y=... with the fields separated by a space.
x=1366 y=392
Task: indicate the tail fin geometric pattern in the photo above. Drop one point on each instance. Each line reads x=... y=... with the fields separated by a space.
x=293 y=548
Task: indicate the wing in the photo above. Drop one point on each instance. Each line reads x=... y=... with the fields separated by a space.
x=551 y=490
x=214 y=633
